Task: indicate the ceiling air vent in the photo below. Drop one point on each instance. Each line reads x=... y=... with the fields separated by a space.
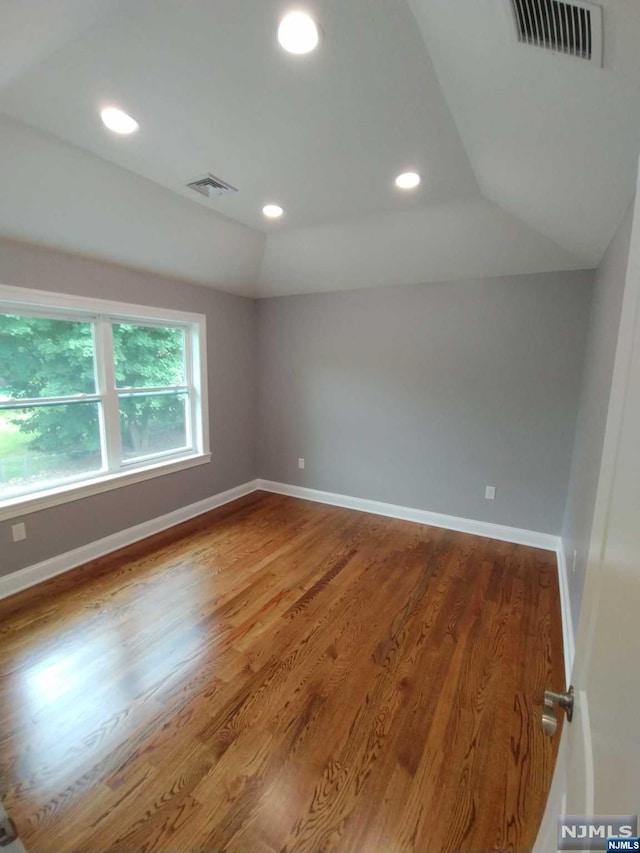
x=211 y=186
x=574 y=28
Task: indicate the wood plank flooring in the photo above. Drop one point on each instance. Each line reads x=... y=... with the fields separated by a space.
x=279 y=675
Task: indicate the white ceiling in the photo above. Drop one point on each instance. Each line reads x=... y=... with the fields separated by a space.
x=552 y=139
x=527 y=158
x=57 y=195
x=324 y=135
x=459 y=240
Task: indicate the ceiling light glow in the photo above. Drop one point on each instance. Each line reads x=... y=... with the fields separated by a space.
x=298 y=33
x=118 y=121
x=408 y=180
x=272 y=211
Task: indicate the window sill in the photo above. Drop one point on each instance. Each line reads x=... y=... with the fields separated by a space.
x=76 y=491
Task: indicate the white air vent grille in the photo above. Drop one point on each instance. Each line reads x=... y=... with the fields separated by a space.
x=211 y=186
x=572 y=28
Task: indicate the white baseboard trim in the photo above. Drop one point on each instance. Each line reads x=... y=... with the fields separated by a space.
x=565 y=607
x=516 y=535
x=32 y=575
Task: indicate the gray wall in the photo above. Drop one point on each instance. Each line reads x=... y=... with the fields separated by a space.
x=231 y=346
x=592 y=413
x=421 y=396
x=418 y=396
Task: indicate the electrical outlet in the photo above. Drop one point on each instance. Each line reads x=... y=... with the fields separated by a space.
x=490 y=493
x=19 y=531
x=574 y=561
x=301 y=463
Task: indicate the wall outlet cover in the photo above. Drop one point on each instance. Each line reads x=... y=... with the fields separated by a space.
x=19 y=531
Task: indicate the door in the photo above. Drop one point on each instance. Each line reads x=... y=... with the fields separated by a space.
x=598 y=767
x=13 y=846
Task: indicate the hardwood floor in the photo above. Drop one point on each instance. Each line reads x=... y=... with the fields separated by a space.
x=283 y=676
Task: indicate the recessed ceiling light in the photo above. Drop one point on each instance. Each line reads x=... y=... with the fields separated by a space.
x=272 y=211
x=118 y=121
x=408 y=180
x=298 y=33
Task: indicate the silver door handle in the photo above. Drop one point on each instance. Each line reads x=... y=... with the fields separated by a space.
x=564 y=701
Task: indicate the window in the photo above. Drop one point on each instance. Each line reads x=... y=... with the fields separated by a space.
x=94 y=395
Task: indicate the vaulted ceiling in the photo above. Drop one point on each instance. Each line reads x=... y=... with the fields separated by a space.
x=527 y=157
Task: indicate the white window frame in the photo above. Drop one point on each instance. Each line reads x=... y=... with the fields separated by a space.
x=103 y=313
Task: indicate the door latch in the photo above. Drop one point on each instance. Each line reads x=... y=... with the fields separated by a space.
x=8 y=832
x=564 y=701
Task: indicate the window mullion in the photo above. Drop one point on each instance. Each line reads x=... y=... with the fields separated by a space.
x=151 y=391
x=197 y=379
x=107 y=385
x=193 y=436
x=36 y=402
